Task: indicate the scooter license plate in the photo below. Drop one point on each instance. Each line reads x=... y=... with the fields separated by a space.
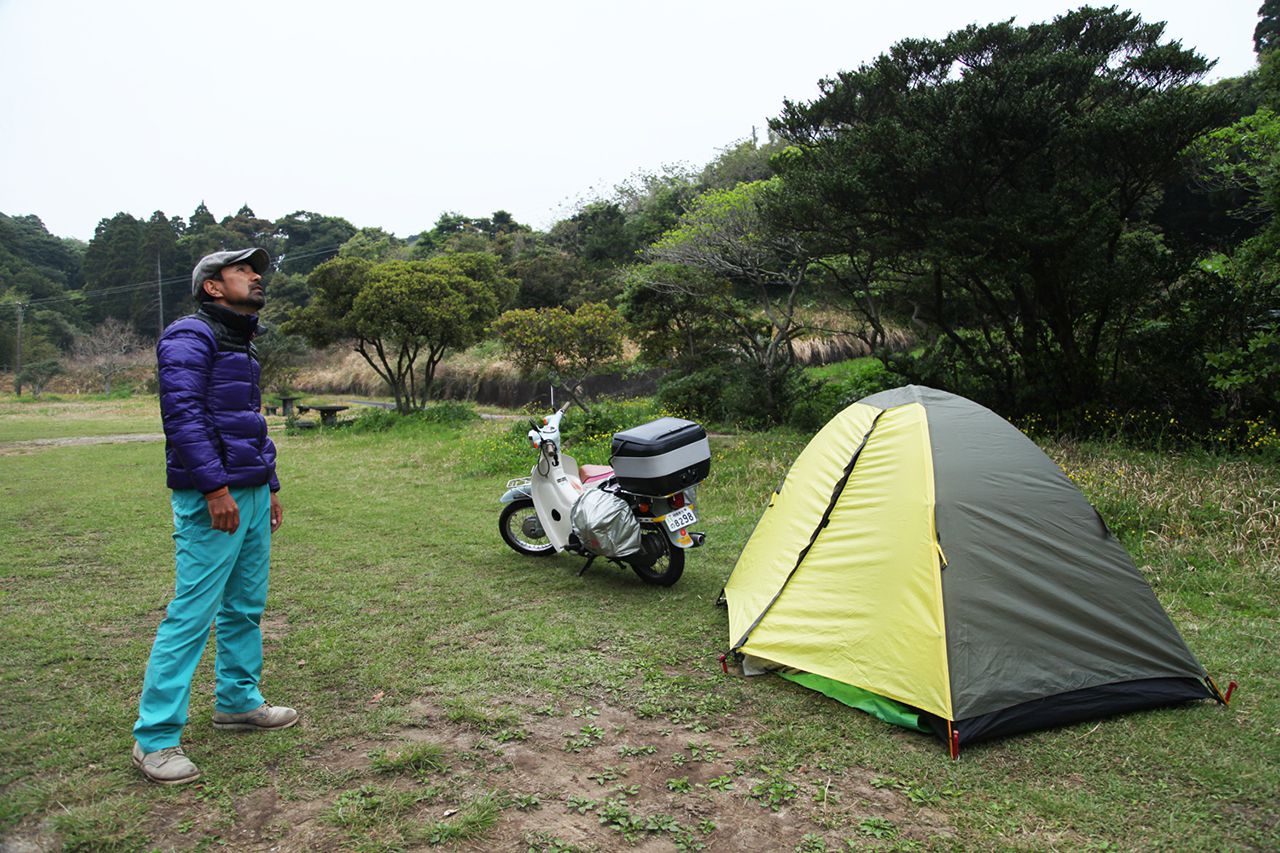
x=680 y=518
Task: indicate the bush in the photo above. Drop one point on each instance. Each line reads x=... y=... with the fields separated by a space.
x=383 y=420
x=821 y=402
x=835 y=388
x=698 y=395
x=735 y=393
x=588 y=436
x=376 y=420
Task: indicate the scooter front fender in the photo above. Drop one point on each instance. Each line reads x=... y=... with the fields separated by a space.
x=517 y=493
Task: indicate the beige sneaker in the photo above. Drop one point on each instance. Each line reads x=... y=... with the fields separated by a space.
x=262 y=718
x=168 y=766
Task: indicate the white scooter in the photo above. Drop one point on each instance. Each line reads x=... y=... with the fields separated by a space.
x=536 y=520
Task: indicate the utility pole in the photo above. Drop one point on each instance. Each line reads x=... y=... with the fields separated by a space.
x=17 y=356
x=160 y=295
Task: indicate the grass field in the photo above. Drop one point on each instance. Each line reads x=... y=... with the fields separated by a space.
x=26 y=419
x=457 y=695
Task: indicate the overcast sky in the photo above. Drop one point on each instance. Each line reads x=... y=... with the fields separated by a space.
x=387 y=113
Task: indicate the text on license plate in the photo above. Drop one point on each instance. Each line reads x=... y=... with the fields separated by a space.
x=679 y=518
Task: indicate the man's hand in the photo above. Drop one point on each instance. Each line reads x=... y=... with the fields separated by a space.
x=277 y=513
x=223 y=510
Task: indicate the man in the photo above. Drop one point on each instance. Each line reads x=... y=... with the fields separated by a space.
x=221 y=468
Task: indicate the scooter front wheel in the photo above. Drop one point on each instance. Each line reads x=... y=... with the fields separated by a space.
x=521 y=529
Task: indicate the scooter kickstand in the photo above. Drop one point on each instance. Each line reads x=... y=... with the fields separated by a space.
x=586 y=565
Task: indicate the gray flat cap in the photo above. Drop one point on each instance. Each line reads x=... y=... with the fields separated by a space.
x=210 y=265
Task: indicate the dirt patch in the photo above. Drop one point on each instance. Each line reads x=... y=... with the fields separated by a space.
x=595 y=777
x=274 y=627
x=601 y=778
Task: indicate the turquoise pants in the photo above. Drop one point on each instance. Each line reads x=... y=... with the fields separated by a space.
x=221 y=577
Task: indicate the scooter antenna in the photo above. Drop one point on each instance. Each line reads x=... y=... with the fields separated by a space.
x=553 y=397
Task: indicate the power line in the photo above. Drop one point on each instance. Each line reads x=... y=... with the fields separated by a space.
x=125 y=288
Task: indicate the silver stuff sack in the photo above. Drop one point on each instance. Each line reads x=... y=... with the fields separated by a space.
x=605 y=524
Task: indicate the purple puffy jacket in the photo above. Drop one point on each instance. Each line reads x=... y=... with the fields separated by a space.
x=209 y=401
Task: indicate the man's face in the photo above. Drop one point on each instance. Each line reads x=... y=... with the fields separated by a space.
x=240 y=288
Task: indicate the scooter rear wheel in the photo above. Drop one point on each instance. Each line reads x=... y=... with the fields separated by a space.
x=659 y=563
x=521 y=529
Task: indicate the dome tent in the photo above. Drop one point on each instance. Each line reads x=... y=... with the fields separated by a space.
x=925 y=561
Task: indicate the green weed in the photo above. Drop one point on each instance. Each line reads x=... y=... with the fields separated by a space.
x=774 y=792
x=581 y=805
x=877 y=827
x=109 y=825
x=585 y=738
x=472 y=821
x=545 y=842
x=419 y=759
x=526 y=802
x=370 y=805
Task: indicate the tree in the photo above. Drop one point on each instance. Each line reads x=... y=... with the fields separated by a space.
x=112 y=267
x=1243 y=353
x=36 y=267
x=373 y=244
x=130 y=266
x=310 y=239
x=725 y=236
x=110 y=349
x=651 y=204
x=25 y=244
x=548 y=278
x=597 y=233
x=1266 y=35
x=334 y=286
x=204 y=235
x=566 y=347
x=167 y=262
x=37 y=375
x=683 y=318
x=995 y=187
x=403 y=316
x=248 y=229
x=278 y=355
x=201 y=219
x=741 y=162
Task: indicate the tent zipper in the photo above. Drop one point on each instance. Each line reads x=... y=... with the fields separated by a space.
x=826 y=517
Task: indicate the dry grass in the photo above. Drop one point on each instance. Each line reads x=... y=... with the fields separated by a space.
x=1205 y=531
x=139 y=371
x=339 y=371
x=840 y=343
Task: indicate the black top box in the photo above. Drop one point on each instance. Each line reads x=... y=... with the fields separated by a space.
x=661 y=457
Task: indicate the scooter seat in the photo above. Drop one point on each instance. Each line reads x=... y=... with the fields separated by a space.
x=594 y=474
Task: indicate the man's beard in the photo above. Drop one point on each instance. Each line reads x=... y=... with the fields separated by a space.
x=254 y=300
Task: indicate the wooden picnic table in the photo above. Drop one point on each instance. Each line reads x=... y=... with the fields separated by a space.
x=328 y=413
x=286 y=401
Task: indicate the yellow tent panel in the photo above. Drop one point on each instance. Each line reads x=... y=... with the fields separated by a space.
x=864 y=606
